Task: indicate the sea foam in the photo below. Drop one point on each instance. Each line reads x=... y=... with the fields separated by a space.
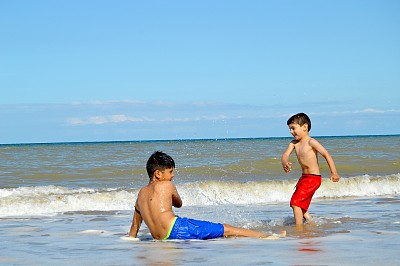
x=50 y=200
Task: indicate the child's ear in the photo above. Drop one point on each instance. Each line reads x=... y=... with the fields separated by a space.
x=305 y=127
x=158 y=174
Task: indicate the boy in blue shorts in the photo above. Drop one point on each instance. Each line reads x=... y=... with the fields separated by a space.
x=154 y=207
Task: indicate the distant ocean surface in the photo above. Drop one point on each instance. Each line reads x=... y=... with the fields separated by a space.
x=70 y=203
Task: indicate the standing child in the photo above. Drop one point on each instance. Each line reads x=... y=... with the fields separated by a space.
x=154 y=207
x=307 y=150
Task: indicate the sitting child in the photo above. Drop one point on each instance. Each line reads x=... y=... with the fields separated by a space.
x=154 y=206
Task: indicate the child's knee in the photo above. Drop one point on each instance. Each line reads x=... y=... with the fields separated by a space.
x=294 y=207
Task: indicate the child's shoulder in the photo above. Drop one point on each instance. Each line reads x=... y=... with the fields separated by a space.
x=164 y=185
x=311 y=140
x=314 y=143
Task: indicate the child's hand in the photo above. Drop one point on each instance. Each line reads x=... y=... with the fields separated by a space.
x=287 y=167
x=335 y=177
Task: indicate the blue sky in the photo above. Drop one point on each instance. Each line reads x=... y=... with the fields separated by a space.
x=144 y=70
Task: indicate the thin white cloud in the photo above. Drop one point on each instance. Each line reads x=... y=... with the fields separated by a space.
x=98 y=102
x=153 y=103
x=99 y=120
x=175 y=114
x=372 y=110
x=197 y=118
x=75 y=121
x=355 y=112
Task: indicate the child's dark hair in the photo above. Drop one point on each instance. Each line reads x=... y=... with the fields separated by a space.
x=159 y=161
x=301 y=119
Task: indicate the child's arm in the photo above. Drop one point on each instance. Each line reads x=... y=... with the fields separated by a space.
x=319 y=148
x=136 y=222
x=176 y=199
x=285 y=163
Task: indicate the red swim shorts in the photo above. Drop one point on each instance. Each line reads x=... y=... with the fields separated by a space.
x=305 y=189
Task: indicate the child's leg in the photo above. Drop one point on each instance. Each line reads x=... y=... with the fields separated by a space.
x=230 y=230
x=307 y=216
x=298 y=215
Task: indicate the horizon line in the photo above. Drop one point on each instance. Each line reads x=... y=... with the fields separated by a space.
x=188 y=139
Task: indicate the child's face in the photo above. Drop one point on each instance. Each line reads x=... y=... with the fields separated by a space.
x=298 y=131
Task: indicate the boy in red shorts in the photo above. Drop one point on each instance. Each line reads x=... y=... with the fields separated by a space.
x=307 y=150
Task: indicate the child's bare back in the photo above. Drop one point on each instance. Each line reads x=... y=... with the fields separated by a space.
x=154 y=203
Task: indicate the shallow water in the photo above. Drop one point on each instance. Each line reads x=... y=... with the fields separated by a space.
x=72 y=203
x=359 y=231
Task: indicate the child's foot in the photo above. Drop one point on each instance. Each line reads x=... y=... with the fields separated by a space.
x=276 y=236
x=128 y=238
x=311 y=221
x=308 y=219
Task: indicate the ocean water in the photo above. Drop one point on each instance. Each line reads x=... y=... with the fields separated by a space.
x=72 y=203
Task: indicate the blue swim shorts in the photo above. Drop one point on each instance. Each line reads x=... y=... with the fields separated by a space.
x=185 y=228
